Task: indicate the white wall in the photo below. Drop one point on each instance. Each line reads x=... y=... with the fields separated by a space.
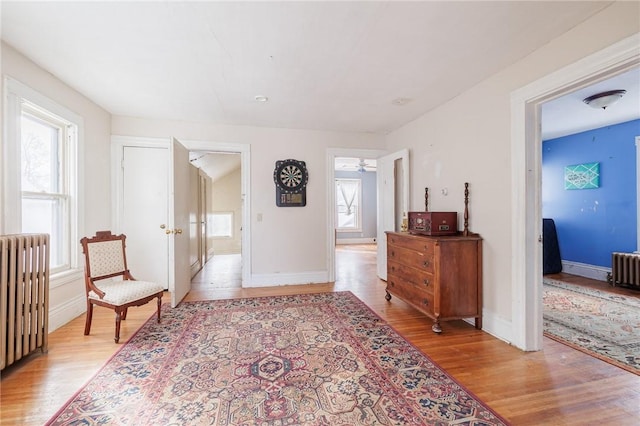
x=468 y=140
x=288 y=240
x=67 y=298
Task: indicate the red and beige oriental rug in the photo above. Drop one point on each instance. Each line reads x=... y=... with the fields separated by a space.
x=318 y=359
x=604 y=325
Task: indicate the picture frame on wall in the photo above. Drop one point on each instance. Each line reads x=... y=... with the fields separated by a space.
x=582 y=176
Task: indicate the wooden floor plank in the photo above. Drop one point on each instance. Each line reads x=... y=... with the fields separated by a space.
x=555 y=386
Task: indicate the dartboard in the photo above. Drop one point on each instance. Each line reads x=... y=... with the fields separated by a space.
x=290 y=176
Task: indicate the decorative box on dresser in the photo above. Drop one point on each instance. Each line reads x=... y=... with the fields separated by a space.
x=441 y=276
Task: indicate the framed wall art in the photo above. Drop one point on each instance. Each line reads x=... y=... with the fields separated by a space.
x=582 y=176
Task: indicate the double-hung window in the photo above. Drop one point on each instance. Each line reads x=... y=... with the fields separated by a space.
x=44 y=179
x=348 y=202
x=41 y=163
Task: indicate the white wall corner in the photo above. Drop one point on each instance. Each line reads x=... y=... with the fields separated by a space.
x=495 y=325
x=65 y=312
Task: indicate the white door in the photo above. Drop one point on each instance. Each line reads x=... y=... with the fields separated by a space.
x=144 y=213
x=179 y=265
x=393 y=200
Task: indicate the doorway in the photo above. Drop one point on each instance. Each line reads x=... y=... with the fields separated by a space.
x=216 y=250
x=526 y=176
x=389 y=195
x=243 y=153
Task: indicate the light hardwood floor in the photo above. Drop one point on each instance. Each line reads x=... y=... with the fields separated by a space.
x=555 y=386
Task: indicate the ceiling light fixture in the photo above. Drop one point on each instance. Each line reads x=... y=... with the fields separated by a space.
x=400 y=101
x=361 y=166
x=605 y=99
x=261 y=98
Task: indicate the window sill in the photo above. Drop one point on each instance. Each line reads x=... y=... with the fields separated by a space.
x=61 y=278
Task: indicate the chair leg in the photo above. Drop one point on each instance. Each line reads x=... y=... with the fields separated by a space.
x=118 y=318
x=159 y=305
x=87 y=323
x=124 y=314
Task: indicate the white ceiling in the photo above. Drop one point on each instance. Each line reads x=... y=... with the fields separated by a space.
x=569 y=114
x=344 y=66
x=215 y=164
x=346 y=164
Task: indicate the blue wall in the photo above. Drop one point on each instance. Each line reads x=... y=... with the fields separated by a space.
x=593 y=223
x=369 y=204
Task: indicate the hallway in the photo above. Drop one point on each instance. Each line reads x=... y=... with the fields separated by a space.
x=224 y=271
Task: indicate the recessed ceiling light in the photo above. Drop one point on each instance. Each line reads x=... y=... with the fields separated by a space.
x=401 y=101
x=260 y=98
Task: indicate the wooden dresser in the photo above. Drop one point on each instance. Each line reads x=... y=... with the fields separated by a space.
x=439 y=276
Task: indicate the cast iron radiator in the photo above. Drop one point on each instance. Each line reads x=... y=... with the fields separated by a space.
x=24 y=295
x=625 y=269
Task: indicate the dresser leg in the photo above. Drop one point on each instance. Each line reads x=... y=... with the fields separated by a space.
x=479 y=323
x=436 y=327
x=387 y=296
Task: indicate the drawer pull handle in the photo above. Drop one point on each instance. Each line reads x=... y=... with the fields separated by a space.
x=393 y=268
x=392 y=283
x=393 y=253
x=426 y=263
x=426 y=282
x=425 y=302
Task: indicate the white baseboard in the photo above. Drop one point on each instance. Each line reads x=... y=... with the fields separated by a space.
x=355 y=241
x=583 y=270
x=65 y=312
x=270 y=280
x=195 y=268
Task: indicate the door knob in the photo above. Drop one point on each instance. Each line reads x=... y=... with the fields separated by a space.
x=168 y=231
x=163 y=226
x=177 y=231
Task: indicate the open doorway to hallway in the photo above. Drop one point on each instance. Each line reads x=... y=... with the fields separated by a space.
x=216 y=228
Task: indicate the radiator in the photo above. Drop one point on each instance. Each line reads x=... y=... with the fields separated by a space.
x=625 y=269
x=24 y=295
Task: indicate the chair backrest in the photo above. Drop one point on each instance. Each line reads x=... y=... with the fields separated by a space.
x=104 y=255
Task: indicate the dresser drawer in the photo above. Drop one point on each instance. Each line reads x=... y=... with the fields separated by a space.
x=421 y=244
x=415 y=259
x=417 y=298
x=418 y=278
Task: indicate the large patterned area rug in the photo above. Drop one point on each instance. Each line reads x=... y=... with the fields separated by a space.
x=602 y=324
x=321 y=359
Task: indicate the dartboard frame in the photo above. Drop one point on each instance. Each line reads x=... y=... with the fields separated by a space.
x=291 y=177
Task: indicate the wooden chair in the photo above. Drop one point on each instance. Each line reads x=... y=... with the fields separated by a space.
x=108 y=281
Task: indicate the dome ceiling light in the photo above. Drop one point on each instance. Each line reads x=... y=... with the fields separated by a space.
x=605 y=99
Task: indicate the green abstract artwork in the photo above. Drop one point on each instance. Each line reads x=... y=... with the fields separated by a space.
x=582 y=176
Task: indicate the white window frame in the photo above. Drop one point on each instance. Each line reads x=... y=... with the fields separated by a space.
x=17 y=95
x=358 y=227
